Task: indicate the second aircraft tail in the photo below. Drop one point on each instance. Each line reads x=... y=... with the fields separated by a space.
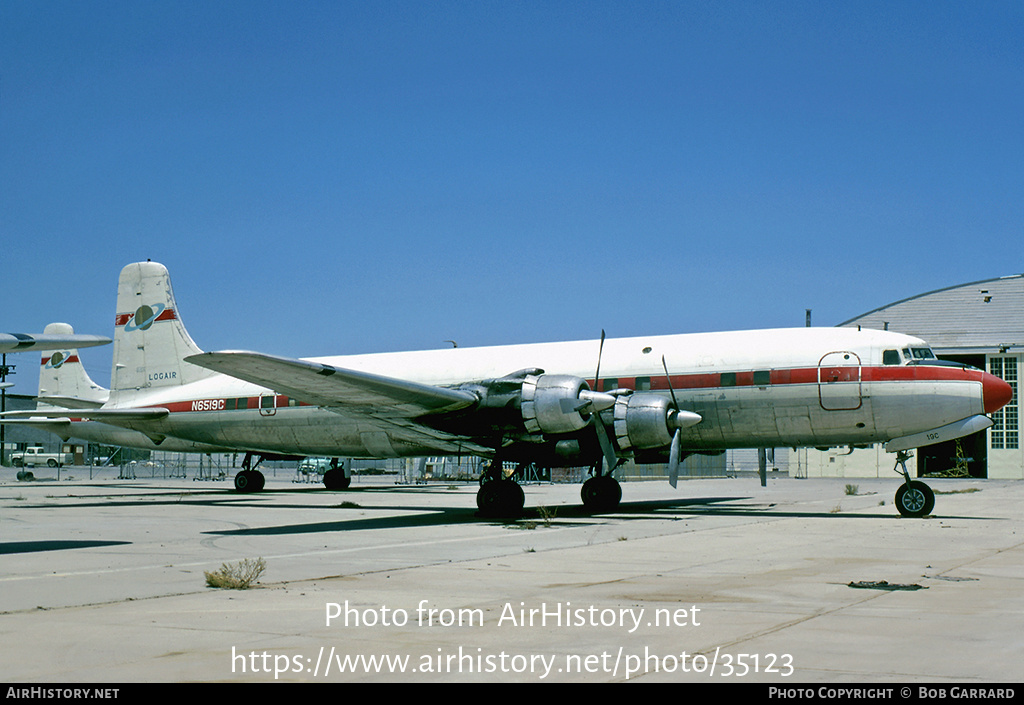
x=63 y=381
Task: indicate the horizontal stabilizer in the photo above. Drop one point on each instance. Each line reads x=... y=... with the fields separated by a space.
x=325 y=385
x=957 y=429
x=111 y=416
x=69 y=402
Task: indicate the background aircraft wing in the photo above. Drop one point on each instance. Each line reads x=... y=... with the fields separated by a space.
x=18 y=342
x=336 y=387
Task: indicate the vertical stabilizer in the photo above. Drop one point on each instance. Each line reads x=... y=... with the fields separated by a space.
x=150 y=342
x=63 y=380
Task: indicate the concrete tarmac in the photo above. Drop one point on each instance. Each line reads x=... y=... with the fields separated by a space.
x=721 y=581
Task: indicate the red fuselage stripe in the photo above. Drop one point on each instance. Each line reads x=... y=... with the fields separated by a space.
x=714 y=380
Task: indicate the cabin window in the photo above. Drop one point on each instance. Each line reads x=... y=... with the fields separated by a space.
x=609 y=384
x=728 y=379
x=643 y=384
x=762 y=378
x=891 y=357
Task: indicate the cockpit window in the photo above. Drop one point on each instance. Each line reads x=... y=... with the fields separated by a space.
x=891 y=357
x=922 y=354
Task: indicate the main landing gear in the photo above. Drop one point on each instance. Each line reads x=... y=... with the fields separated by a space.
x=913 y=498
x=500 y=496
x=249 y=479
x=601 y=493
x=335 y=478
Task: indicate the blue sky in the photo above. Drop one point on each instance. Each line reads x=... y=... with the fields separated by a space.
x=342 y=177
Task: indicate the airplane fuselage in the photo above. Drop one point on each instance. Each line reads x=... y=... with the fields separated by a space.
x=769 y=388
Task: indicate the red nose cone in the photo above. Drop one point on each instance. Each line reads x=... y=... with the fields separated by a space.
x=996 y=393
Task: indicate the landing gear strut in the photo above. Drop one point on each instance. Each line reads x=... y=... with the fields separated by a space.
x=913 y=498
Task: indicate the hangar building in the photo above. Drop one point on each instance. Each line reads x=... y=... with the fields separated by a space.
x=980 y=324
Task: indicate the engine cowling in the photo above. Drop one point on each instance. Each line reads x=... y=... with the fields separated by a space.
x=556 y=404
x=643 y=421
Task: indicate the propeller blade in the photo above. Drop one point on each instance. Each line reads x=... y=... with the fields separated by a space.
x=600 y=351
x=607 y=450
x=673 y=459
x=675 y=403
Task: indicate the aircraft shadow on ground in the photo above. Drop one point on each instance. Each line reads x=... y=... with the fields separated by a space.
x=572 y=515
x=412 y=517
x=463 y=510
x=53 y=545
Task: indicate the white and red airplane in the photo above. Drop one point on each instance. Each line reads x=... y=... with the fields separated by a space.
x=587 y=403
x=65 y=390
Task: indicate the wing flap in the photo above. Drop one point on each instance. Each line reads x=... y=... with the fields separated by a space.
x=329 y=386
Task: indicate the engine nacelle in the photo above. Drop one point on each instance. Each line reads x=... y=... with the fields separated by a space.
x=643 y=421
x=551 y=404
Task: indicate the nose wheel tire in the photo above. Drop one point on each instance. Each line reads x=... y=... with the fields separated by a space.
x=915 y=499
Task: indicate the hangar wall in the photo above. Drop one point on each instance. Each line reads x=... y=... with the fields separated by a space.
x=980 y=323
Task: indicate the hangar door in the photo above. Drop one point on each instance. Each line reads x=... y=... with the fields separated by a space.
x=967 y=456
x=839 y=387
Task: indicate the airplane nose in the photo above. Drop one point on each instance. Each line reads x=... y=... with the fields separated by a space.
x=995 y=393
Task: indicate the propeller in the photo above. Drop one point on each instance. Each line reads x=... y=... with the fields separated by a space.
x=610 y=458
x=677 y=437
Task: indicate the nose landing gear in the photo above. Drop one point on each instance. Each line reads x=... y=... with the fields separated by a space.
x=913 y=498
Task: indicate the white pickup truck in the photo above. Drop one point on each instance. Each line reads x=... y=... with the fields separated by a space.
x=30 y=457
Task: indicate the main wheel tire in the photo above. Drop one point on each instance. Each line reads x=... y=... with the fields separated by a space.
x=335 y=480
x=500 y=499
x=244 y=481
x=915 y=499
x=601 y=494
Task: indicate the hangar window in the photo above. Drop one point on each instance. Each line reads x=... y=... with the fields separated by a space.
x=1005 y=433
x=891 y=357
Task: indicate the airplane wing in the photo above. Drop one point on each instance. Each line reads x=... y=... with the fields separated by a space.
x=58 y=427
x=384 y=402
x=334 y=387
x=19 y=342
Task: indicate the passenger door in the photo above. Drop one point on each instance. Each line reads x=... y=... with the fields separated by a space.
x=839 y=381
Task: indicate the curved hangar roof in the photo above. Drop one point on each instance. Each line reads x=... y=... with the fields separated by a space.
x=981 y=316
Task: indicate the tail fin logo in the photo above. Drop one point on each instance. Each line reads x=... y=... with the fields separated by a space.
x=144 y=317
x=56 y=361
